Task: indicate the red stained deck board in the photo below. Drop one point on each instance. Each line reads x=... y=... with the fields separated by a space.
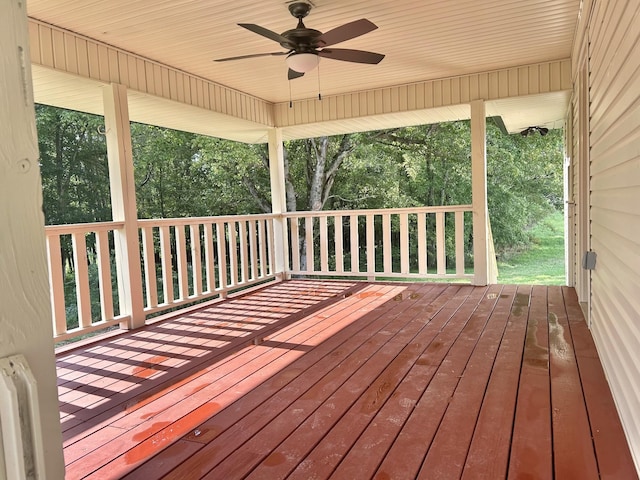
x=573 y=454
x=531 y=449
x=104 y=409
x=613 y=456
x=251 y=413
x=488 y=454
x=160 y=429
x=243 y=365
x=192 y=400
x=164 y=461
x=378 y=392
x=363 y=392
x=117 y=410
x=287 y=382
x=447 y=454
x=310 y=432
x=405 y=457
x=119 y=341
x=371 y=447
x=381 y=398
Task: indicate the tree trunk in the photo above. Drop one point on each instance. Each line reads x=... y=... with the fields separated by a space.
x=321 y=170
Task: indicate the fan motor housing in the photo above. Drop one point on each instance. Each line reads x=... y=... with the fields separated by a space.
x=302 y=39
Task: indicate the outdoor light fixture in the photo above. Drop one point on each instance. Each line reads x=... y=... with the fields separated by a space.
x=302 y=62
x=531 y=130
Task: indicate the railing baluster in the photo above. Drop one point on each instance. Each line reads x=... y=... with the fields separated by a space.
x=253 y=254
x=222 y=256
x=422 y=243
x=149 y=259
x=324 y=247
x=271 y=247
x=196 y=261
x=181 y=254
x=81 y=268
x=404 y=243
x=233 y=252
x=56 y=281
x=440 y=244
x=209 y=259
x=262 y=244
x=104 y=274
x=295 y=245
x=337 y=224
x=244 y=258
x=355 y=243
x=167 y=264
x=371 y=243
x=459 y=243
x=308 y=237
x=386 y=244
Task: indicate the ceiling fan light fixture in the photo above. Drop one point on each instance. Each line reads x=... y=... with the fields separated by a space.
x=302 y=62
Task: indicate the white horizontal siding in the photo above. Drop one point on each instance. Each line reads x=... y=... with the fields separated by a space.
x=614 y=34
x=71 y=53
x=511 y=82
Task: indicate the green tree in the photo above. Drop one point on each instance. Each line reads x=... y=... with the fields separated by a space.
x=74 y=166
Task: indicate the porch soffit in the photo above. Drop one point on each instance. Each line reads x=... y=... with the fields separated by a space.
x=422 y=40
x=159 y=94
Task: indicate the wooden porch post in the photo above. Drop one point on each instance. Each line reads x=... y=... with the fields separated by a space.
x=123 y=204
x=479 y=193
x=278 y=201
x=26 y=331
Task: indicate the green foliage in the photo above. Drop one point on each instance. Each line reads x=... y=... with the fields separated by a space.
x=181 y=174
x=524 y=183
x=543 y=262
x=73 y=163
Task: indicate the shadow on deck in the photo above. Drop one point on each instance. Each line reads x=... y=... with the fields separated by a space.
x=318 y=379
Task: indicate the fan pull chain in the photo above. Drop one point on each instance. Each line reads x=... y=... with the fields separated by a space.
x=319 y=94
x=290 y=101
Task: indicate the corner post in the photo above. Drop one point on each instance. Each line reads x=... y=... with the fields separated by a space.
x=26 y=329
x=278 y=202
x=479 y=193
x=123 y=204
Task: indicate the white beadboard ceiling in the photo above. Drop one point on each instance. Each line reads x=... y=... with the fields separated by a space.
x=422 y=40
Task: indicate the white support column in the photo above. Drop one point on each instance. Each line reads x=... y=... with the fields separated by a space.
x=25 y=313
x=123 y=204
x=479 y=193
x=278 y=201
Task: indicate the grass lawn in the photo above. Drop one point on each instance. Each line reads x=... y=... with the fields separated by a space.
x=543 y=263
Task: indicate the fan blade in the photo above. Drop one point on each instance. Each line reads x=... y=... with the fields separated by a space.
x=255 y=55
x=346 y=32
x=293 y=74
x=348 y=55
x=266 y=33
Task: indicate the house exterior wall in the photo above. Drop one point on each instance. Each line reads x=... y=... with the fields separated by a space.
x=608 y=43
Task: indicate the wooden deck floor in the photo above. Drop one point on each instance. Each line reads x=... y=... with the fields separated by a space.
x=345 y=380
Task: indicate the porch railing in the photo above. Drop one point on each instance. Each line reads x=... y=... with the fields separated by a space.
x=85 y=249
x=429 y=242
x=188 y=260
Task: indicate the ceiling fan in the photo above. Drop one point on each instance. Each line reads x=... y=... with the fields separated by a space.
x=305 y=45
